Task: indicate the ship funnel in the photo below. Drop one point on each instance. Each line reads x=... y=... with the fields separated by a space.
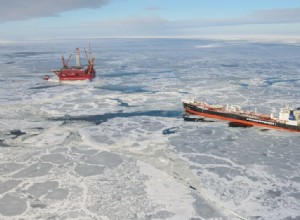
x=77 y=58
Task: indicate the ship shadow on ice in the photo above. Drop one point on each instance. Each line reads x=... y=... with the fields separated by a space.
x=98 y=119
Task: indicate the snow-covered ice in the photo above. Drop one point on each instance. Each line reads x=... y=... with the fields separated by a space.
x=117 y=147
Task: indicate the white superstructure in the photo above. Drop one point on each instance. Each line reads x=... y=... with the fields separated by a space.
x=290 y=116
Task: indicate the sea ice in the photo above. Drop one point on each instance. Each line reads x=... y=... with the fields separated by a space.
x=117 y=147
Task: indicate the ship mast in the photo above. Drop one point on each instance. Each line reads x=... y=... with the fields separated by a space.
x=77 y=58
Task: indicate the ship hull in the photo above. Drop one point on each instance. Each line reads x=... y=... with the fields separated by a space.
x=74 y=78
x=74 y=74
x=238 y=119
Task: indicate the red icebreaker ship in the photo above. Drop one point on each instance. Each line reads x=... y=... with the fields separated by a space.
x=77 y=72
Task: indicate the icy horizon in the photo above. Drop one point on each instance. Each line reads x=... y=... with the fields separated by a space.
x=250 y=38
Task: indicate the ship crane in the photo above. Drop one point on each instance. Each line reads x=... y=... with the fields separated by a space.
x=65 y=63
x=89 y=60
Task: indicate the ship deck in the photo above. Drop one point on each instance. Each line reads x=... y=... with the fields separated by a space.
x=234 y=110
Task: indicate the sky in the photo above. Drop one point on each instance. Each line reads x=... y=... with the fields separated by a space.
x=64 y=19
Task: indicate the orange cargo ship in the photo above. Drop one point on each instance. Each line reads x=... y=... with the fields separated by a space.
x=289 y=119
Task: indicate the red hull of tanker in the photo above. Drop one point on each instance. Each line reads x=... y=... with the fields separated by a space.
x=240 y=122
x=243 y=118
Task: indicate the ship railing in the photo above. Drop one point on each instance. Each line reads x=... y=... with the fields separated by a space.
x=202 y=104
x=261 y=116
x=237 y=110
x=233 y=108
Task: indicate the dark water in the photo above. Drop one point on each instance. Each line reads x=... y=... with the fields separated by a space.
x=98 y=119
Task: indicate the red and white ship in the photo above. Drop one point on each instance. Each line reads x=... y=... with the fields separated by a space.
x=289 y=119
x=77 y=72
